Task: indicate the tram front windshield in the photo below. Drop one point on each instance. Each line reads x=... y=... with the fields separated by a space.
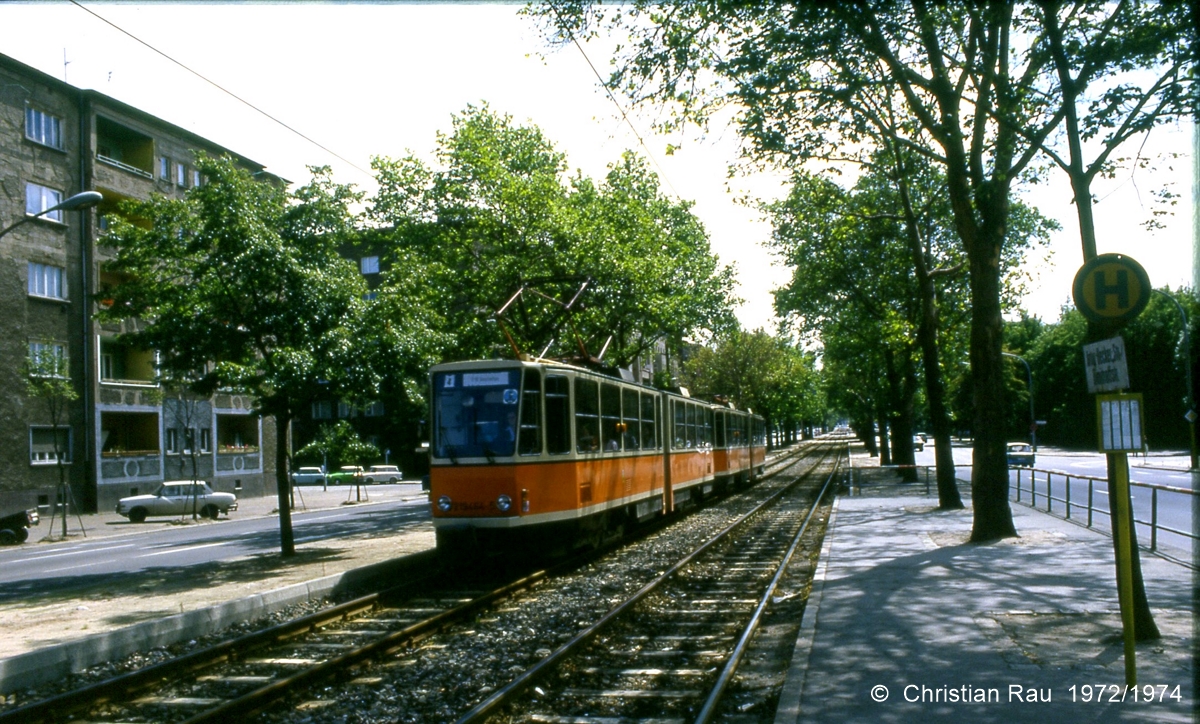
x=475 y=413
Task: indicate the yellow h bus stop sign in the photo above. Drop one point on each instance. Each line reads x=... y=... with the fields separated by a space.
x=1111 y=288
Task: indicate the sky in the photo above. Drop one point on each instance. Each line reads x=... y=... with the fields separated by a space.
x=345 y=82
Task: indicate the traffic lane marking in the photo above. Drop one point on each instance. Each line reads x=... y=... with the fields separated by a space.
x=48 y=556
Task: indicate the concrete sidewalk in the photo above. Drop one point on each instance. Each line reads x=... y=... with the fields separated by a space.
x=907 y=622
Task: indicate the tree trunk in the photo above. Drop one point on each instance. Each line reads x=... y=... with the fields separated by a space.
x=927 y=338
x=885 y=450
x=902 y=388
x=989 y=472
x=283 y=481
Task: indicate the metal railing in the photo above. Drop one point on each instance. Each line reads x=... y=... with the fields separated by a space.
x=1056 y=487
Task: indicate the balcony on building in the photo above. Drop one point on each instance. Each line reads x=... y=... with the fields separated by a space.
x=238 y=443
x=124 y=148
x=129 y=445
x=123 y=364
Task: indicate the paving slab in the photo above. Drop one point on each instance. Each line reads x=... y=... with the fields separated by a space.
x=909 y=622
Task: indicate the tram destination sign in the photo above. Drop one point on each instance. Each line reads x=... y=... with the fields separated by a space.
x=1105 y=365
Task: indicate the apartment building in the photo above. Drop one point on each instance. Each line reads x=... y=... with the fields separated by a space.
x=124 y=434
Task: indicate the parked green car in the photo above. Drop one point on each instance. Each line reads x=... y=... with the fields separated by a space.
x=346 y=475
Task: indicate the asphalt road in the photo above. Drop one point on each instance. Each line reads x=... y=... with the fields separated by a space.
x=29 y=570
x=1174 y=510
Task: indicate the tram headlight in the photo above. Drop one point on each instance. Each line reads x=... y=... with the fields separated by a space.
x=444 y=503
x=504 y=503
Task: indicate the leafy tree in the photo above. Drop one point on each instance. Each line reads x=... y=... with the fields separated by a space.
x=820 y=81
x=245 y=283
x=499 y=217
x=336 y=445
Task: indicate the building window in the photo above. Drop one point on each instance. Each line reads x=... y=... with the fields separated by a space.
x=172 y=440
x=195 y=178
x=375 y=409
x=42 y=445
x=48 y=281
x=180 y=175
x=38 y=198
x=322 y=410
x=345 y=409
x=164 y=168
x=370 y=265
x=47 y=359
x=43 y=128
x=205 y=439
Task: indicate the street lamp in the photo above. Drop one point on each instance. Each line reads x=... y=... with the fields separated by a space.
x=81 y=200
x=1190 y=415
x=1032 y=418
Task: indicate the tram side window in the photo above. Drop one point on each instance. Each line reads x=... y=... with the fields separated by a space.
x=558 y=415
x=678 y=425
x=722 y=417
x=529 y=441
x=587 y=415
x=610 y=417
x=689 y=429
x=629 y=419
x=649 y=442
x=706 y=433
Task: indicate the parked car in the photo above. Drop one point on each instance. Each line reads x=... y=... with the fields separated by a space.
x=14 y=528
x=1020 y=454
x=383 y=474
x=177 y=497
x=346 y=475
x=918 y=443
x=308 y=476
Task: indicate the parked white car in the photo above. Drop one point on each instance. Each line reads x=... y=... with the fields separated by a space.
x=383 y=474
x=177 y=497
x=308 y=476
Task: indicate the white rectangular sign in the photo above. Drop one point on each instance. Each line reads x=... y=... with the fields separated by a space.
x=1120 y=423
x=1105 y=366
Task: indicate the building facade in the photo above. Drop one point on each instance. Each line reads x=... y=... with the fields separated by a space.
x=123 y=434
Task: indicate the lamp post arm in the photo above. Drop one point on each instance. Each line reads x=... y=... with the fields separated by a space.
x=10 y=227
x=81 y=200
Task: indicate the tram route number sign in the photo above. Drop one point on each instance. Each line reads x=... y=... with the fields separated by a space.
x=1111 y=288
x=1119 y=422
x=1105 y=365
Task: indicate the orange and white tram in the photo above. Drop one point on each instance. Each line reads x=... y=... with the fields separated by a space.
x=545 y=456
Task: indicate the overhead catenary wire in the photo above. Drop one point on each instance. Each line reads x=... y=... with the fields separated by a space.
x=223 y=89
x=615 y=102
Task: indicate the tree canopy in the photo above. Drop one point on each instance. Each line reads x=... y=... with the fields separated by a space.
x=500 y=215
x=242 y=287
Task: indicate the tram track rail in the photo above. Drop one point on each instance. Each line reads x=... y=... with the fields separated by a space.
x=574 y=702
x=168 y=687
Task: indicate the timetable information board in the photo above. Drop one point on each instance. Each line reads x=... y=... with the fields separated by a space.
x=1119 y=419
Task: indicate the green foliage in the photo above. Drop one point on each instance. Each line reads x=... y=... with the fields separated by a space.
x=759 y=372
x=499 y=216
x=243 y=287
x=1157 y=369
x=336 y=445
